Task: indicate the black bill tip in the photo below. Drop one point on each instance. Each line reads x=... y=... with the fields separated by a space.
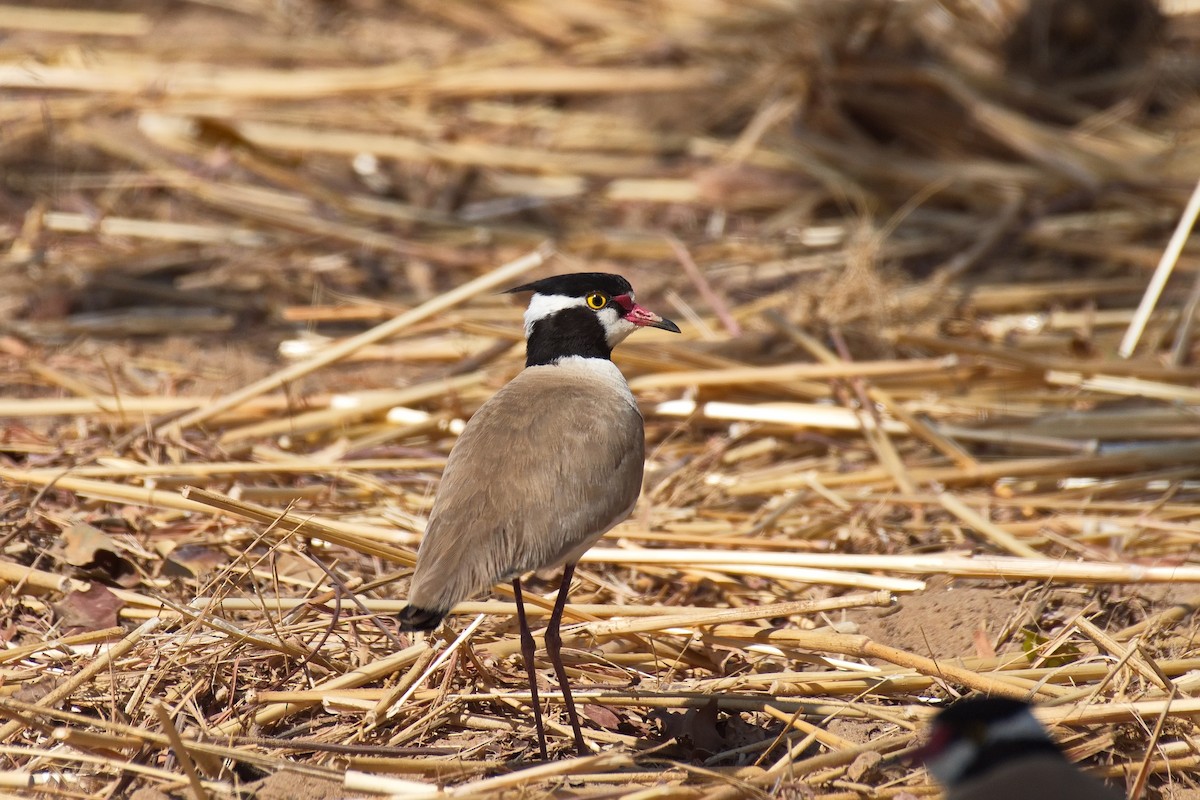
x=666 y=325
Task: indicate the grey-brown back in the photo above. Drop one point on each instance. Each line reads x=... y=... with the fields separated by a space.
x=542 y=470
x=1048 y=777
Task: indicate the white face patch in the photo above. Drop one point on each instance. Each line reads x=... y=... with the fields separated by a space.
x=1022 y=727
x=951 y=764
x=616 y=327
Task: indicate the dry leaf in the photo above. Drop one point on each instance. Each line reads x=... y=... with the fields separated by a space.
x=81 y=542
x=193 y=561
x=695 y=729
x=92 y=609
x=33 y=691
x=92 y=551
x=601 y=716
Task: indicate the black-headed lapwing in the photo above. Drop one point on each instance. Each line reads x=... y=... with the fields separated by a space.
x=544 y=467
x=993 y=748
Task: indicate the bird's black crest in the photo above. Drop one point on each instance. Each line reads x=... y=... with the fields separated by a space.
x=978 y=710
x=577 y=284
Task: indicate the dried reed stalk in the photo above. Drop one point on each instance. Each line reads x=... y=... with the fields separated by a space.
x=891 y=382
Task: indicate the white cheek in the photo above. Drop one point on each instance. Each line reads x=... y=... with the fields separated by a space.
x=616 y=328
x=1018 y=728
x=950 y=764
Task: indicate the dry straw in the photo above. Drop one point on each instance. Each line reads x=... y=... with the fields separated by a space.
x=930 y=429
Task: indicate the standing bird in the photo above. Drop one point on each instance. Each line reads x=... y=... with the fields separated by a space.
x=993 y=748
x=543 y=469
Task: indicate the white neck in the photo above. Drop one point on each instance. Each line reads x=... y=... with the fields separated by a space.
x=948 y=766
x=600 y=371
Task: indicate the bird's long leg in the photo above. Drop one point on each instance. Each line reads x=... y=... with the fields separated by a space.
x=527 y=651
x=554 y=651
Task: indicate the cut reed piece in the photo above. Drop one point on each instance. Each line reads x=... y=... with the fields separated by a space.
x=31 y=578
x=693 y=618
x=74 y=21
x=996 y=534
x=359 y=781
x=901 y=682
x=118 y=469
x=1162 y=272
x=200 y=80
x=352 y=143
x=77 y=640
x=349 y=408
x=795 y=415
x=1128 y=387
x=154 y=229
x=787 y=372
x=280 y=605
x=997 y=567
x=123 y=406
x=367 y=539
x=1134 y=459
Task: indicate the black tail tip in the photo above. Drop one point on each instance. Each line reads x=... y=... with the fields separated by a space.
x=414 y=618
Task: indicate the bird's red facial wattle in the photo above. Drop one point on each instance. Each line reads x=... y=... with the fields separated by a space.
x=934 y=746
x=642 y=316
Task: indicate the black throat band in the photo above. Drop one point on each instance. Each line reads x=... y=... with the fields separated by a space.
x=569 y=332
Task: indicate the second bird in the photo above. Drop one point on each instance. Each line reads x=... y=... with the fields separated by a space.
x=543 y=469
x=993 y=748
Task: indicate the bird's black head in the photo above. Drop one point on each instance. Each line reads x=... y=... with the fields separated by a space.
x=971 y=713
x=577 y=284
x=976 y=734
x=583 y=314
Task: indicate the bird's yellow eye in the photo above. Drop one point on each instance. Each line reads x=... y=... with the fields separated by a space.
x=597 y=301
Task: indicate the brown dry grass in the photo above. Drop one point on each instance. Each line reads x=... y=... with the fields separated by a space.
x=914 y=366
